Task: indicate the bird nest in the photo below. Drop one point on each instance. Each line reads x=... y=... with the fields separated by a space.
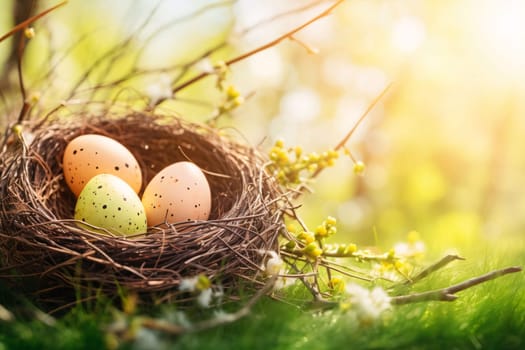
x=40 y=241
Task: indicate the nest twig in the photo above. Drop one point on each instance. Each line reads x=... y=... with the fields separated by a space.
x=40 y=240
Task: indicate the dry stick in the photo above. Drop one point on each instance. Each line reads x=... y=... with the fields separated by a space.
x=24 y=24
x=186 y=66
x=434 y=267
x=260 y=48
x=25 y=103
x=244 y=32
x=117 y=51
x=448 y=293
x=281 y=15
x=162 y=28
x=313 y=288
x=302 y=188
x=345 y=139
x=147 y=41
x=370 y=107
x=175 y=329
x=110 y=54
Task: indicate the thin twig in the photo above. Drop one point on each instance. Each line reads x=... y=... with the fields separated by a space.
x=175 y=329
x=25 y=103
x=433 y=268
x=313 y=288
x=24 y=24
x=449 y=293
x=378 y=98
x=345 y=139
x=281 y=15
x=260 y=48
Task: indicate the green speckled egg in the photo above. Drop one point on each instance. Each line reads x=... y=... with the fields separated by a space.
x=109 y=202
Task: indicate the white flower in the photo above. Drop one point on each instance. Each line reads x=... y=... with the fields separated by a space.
x=411 y=249
x=5 y=315
x=178 y=317
x=283 y=282
x=205 y=66
x=188 y=284
x=380 y=299
x=385 y=272
x=205 y=292
x=218 y=293
x=367 y=304
x=160 y=90
x=204 y=297
x=224 y=316
x=274 y=265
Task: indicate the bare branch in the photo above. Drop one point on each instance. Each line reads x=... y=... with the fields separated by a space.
x=175 y=329
x=282 y=15
x=449 y=293
x=24 y=24
x=260 y=48
x=433 y=268
x=366 y=112
x=345 y=139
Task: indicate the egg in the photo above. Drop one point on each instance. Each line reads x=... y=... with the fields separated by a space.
x=179 y=192
x=89 y=155
x=109 y=202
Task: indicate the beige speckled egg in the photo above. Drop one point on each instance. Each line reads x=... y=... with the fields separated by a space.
x=109 y=202
x=179 y=192
x=90 y=155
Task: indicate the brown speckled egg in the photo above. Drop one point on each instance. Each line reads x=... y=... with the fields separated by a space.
x=89 y=155
x=179 y=192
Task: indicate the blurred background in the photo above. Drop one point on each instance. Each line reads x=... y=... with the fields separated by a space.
x=443 y=149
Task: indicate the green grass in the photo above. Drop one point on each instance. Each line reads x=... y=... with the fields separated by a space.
x=489 y=316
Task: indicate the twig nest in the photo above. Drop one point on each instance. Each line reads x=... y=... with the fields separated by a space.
x=40 y=240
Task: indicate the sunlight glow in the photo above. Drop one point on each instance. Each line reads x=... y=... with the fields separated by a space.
x=502 y=32
x=408 y=34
